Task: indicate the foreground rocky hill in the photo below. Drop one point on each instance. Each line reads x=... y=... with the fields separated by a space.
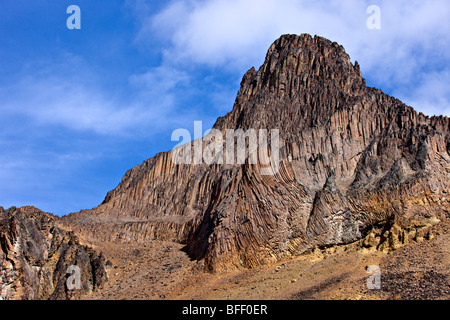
x=417 y=269
x=355 y=164
x=36 y=258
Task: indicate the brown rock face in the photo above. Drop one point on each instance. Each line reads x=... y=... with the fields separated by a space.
x=37 y=258
x=351 y=158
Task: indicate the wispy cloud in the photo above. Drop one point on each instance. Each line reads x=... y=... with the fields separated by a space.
x=234 y=34
x=69 y=95
x=431 y=94
x=65 y=135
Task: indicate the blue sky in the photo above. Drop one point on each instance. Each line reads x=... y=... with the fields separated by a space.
x=80 y=107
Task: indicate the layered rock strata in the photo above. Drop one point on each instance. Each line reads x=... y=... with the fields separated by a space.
x=351 y=159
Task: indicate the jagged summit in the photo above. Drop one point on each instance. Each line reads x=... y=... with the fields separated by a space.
x=293 y=60
x=352 y=159
x=295 y=65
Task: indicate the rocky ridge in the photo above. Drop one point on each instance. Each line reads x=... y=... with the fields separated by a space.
x=352 y=159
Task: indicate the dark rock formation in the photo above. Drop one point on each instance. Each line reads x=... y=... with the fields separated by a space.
x=351 y=158
x=36 y=254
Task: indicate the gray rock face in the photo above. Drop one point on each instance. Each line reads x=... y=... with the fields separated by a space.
x=351 y=156
x=37 y=258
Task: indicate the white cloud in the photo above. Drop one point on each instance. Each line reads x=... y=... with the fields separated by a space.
x=60 y=102
x=409 y=57
x=235 y=34
x=158 y=81
x=69 y=95
x=431 y=94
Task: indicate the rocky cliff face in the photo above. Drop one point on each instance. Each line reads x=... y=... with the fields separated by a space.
x=351 y=159
x=37 y=258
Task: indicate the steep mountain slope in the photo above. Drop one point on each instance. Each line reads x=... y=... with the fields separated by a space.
x=352 y=160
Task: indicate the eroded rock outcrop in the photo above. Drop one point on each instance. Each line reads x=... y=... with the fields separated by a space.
x=36 y=258
x=351 y=158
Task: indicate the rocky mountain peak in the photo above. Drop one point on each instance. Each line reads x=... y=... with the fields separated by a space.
x=356 y=166
x=351 y=158
x=302 y=57
x=296 y=68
